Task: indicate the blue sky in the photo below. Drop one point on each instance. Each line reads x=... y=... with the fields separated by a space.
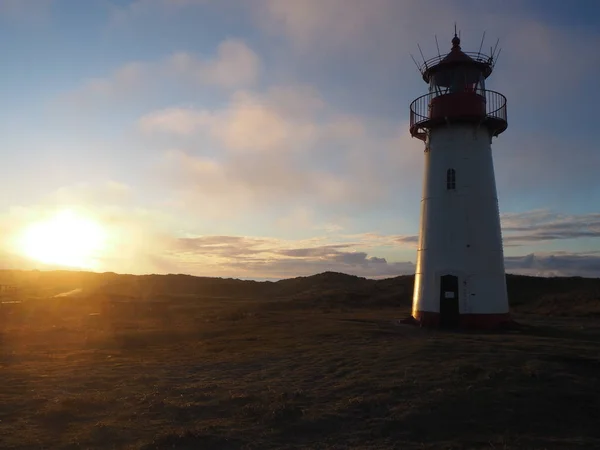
x=268 y=138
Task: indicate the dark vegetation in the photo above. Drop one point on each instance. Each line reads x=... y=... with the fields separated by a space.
x=147 y=362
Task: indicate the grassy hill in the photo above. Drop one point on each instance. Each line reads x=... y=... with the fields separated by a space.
x=312 y=362
x=549 y=296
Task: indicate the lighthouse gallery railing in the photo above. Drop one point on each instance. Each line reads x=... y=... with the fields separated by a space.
x=481 y=58
x=495 y=108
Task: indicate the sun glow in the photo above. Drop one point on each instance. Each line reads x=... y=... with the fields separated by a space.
x=66 y=239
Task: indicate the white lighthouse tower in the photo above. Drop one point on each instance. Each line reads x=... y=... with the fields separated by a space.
x=460 y=279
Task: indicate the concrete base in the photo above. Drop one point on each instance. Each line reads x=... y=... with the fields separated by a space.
x=467 y=321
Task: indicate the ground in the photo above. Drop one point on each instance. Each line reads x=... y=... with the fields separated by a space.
x=289 y=372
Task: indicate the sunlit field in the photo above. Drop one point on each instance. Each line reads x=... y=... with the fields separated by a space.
x=321 y=362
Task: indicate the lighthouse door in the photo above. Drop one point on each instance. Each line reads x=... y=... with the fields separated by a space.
x=449 y=310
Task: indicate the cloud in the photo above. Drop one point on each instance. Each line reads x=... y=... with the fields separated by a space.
x=243 y=256
x=532 y=227
x=374 y=39
x=519 y=229
x=178 y=121
x=411 y=240
x=275 y=258
x=332 y=25
x=561 y=264
x=234 y=65
x=279 y=120
x=284 y=147
x=126 y=83
x=539 y=226
x=368 y=43
x=239 y=186
x=130 y=79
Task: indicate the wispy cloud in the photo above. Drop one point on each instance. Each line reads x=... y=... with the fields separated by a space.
x=126 y=80
x=260 y=257
x=285 y=146
x=269 y=257
x=234 y=65
x=560 y=264
x=280 y=120
x=278 y=258
x=543 y=226
x=537 y=227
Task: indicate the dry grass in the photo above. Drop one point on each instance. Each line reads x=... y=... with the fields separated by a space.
x=229 y=374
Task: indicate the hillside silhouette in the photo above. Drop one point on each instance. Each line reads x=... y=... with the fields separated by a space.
x=559 y=296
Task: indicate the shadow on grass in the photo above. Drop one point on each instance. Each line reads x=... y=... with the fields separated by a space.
x=558 y=333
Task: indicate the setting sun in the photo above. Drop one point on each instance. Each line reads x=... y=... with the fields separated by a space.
x=66 y=239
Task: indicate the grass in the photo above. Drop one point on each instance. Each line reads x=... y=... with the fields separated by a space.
x=258 y=374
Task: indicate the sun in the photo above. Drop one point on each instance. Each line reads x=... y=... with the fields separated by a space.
x=65 y=239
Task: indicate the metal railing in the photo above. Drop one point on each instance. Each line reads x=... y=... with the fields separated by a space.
x=481 y=58
x=495 y=108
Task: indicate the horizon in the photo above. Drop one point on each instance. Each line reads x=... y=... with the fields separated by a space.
x=269 y=140
x=270 y=280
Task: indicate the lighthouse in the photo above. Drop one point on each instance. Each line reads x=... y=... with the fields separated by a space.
x=460 y=279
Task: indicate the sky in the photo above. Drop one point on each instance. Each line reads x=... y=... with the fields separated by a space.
x=269 y=139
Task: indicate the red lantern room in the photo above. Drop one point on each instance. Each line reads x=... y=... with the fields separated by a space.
x=457 y=93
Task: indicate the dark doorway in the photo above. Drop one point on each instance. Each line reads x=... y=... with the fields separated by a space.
x=449 y=312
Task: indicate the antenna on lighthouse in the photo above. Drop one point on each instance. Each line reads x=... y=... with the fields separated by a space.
x=497 y=56
x=438 y=46
x=416 y=64
x=481 y=45
x=495 y=47
x=422 y=56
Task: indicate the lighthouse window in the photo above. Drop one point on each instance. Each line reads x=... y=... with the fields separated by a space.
x=457 y=79
x=451 y=179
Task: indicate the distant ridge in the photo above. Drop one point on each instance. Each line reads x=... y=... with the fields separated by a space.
x=556 y=295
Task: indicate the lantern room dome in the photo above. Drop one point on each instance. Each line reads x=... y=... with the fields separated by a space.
x=456 y=57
